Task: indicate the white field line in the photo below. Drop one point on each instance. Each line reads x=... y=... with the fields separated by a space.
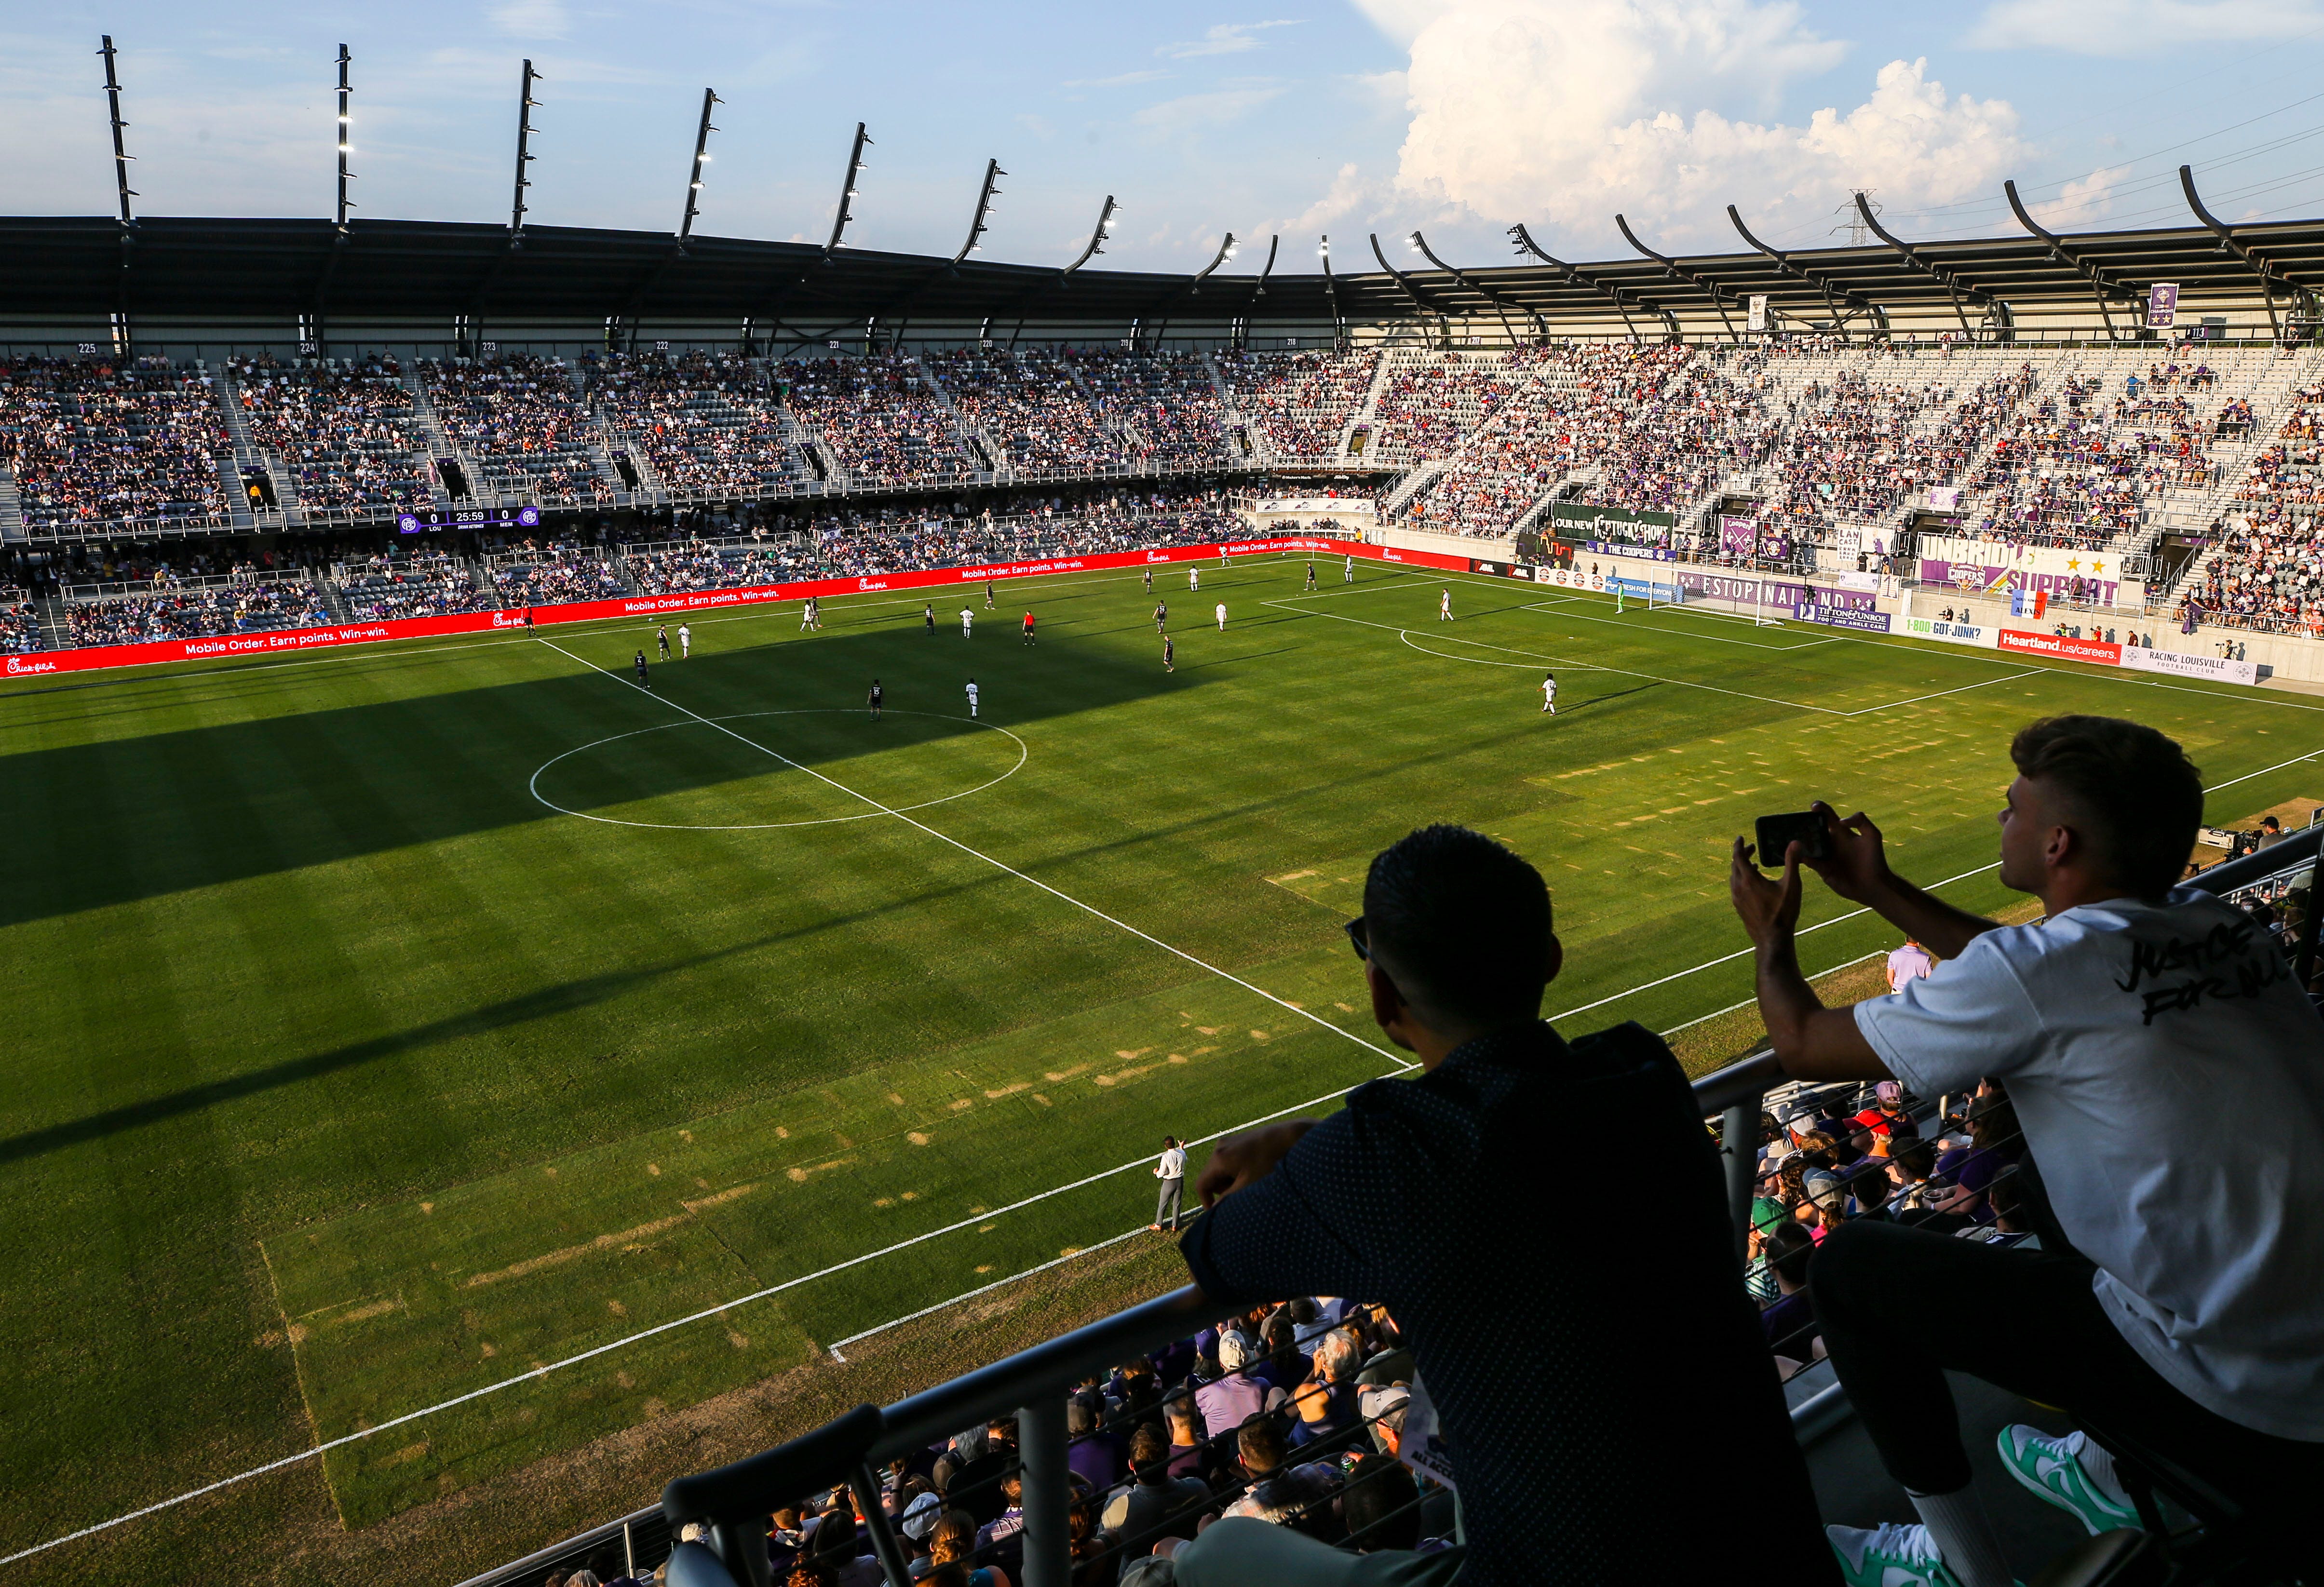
x=1923 y=648
x=1577 y=666
x=1072 y=1255
x=536 y=1373
x=997 y=865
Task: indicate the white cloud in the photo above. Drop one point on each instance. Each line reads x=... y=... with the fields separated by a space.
x=530 y=19
x=2082 y=202
x=1225 y=38
x=1567 y=112
x=1194 y=113
x=1125 y=80
x=2118 y=28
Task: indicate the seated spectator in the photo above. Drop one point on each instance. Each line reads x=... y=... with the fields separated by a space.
x=1380 y=1504
x=1234 y=1397
x=1156 y=1503
x=1789 y=1323
x=1258 y=1449
x=1095 y=1455
x=2165 y=1069
x=1557 y=1424
x=1325 y=1403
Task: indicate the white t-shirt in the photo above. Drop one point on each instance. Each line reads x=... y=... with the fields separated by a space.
x=2170 y=1080
x=1173 y=1165
x=971 y=693
x=1223 y=614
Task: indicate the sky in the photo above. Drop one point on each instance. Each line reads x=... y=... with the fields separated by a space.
x=1297 y=117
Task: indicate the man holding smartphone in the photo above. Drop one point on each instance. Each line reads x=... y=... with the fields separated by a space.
x=2169 y=1077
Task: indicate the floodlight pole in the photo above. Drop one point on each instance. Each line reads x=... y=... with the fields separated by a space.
x=846 y=194
x=525 y=105
x=346 y=132
x=701 y=153
x=120 y=155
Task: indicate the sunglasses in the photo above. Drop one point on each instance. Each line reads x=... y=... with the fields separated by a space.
x=1359 y=938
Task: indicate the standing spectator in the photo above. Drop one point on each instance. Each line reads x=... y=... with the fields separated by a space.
x=2168 y=1074
x=1556 y=1423
x=1170 y=1168
x=1909 y=962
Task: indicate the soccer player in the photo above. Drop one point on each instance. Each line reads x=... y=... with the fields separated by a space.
x=1347 y=574
x=1445 y=605
x=1169 y=654
x=1194 y=578
x=642 y=681
x=806 y=613
x=1161 y=615
x=967 y=621
x=988 y=594
x=928 y=615
x=1149 y=578
x=1549 y=694
x=528 y=620
x=662 y=638
x=685 y=641
x=879 y=695
x=972 y=696
x=1029 y=638
x=1311 y=573
x=1221 y=611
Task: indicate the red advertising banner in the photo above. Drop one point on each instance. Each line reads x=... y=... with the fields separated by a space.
x=2060 y=647
x=678 y=604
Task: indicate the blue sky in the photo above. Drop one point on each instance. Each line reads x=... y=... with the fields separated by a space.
x=1455 y=115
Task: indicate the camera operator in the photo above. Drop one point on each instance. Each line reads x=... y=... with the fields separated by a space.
x=2169 y=1081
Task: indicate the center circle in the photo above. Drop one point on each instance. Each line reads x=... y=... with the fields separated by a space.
x=872 y=807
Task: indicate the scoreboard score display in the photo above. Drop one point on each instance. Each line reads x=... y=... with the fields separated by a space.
x=432 y=522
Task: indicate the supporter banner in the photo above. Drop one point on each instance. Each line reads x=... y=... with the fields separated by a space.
x=2059 y=646
x=1992 y=566
x=1957 y=633
x=678 y=602
x=1580 y=520
x=2161 y=305
x=1738 y=537
x=1773 y=595
x=1840 y=617
x=2178 y=664
x=1944 y=498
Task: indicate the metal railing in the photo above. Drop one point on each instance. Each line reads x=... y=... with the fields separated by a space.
x=729 y=1504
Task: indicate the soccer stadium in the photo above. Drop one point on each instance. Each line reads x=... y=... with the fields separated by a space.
x=704 y=909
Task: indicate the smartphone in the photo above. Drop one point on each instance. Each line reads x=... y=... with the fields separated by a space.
x=1776 y=834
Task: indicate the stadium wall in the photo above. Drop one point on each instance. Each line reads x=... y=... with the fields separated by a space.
x=1989 y=625
x=652 y=608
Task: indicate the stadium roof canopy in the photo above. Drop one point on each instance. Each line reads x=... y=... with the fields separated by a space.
x=378 y=271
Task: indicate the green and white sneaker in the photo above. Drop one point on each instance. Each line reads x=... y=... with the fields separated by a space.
x=2051 y=1469
x=1889 y=1555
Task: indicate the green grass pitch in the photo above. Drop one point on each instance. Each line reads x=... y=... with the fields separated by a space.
x=387 y=1023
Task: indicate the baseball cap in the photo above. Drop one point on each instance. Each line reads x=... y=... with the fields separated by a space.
x=1889 y=1091
x=920 y=1515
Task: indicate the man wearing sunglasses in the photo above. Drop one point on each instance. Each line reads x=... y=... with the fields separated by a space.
x=1605 y=1395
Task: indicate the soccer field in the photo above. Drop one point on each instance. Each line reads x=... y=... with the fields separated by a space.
x=390 y=1023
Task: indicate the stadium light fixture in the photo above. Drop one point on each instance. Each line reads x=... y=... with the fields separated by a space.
x=526 y=105
x=347 y=138
x=701 y=158
x=847 y=193
x=120 y=155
